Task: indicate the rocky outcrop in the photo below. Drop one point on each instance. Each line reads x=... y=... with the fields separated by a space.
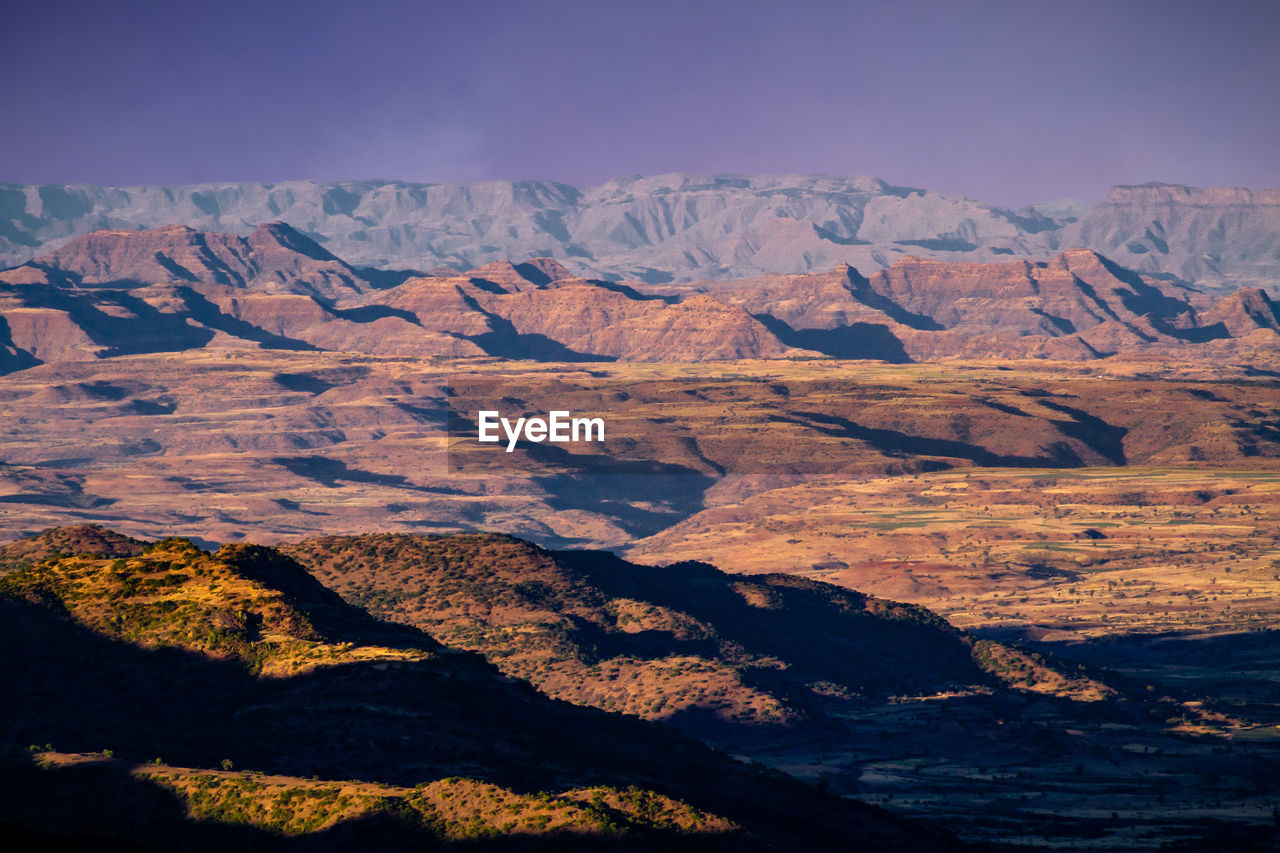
x=530 y=311
x=1244 y=312
x=588 y=318
x=116 y=292
x=1078 y=305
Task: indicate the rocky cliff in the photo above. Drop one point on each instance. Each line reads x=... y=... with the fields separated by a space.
x=173 y=288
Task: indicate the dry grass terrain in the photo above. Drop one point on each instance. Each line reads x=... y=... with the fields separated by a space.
x=455 y=809
x=863 y=696
x=270 y=445
x=188 y=666
x=1071 y=552
x=1119 y=513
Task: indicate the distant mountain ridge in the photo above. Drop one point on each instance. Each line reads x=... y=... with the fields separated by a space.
x=682 y=227
x=173 y=288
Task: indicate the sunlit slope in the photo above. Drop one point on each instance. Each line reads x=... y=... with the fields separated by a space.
x=241 y=660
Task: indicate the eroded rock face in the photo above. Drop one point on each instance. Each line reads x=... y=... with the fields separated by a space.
x=1079 y=305
x=121 y=292
x=274 y=257
x=678 y=227
x=1224 y=235
x=173 y=288
x=1245 y=312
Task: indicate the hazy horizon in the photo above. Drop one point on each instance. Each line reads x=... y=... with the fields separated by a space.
x=380 y=179
x=1011 y=104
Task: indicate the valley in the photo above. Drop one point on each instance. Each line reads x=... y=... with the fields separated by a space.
x=694 y=427
x=993 y=547
x=1088 y=704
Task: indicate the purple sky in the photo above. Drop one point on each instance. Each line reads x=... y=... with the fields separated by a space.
x=1008 y=102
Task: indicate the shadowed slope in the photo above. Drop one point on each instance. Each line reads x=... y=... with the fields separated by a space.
x=862 y=694
x=729 y=657
x=241 y=656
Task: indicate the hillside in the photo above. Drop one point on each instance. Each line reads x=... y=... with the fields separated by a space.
x=60 y=541
x=681 y=227
x=269 y=706
x=231 y=698
x=686 y=642
x=1079 y=305
x=864 y=695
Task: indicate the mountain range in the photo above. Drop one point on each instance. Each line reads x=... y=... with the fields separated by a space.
x=175 y=288
x=683 y=227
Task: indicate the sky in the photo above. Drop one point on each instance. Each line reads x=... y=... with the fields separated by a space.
x=1006 y=102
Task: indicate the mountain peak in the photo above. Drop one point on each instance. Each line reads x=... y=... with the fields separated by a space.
x=537 y=272
x=72 y=540
x=1245 y=311
x=549 y=267
x=284 y=235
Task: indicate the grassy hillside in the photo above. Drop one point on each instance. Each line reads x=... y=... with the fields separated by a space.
x=863 y=696
x=60 y=541
x=200 y=693
x=684 y=641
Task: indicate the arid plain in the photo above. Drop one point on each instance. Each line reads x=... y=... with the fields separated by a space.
x=1121 y=519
